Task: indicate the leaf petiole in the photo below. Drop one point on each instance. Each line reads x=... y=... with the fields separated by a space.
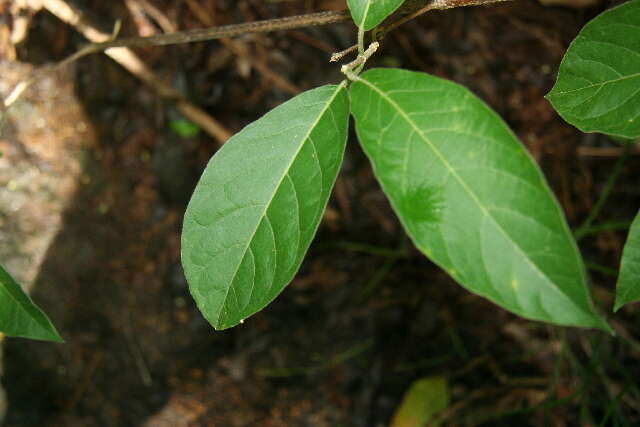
x=352 y=69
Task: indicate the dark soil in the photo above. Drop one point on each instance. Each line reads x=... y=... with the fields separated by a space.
x=367 y=314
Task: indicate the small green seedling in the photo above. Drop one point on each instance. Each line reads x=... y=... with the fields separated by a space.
x=465 y=189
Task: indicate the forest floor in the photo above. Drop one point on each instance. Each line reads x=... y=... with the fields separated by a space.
x=367 y=314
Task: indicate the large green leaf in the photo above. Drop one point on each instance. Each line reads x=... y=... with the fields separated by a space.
x=628 y=287
x=598 y=87
x=259 y=202
x=367 y=14
x=470 y=196
x=19 y=316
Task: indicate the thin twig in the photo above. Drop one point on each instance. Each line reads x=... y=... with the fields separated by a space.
x=352 y=69
x=237 y=48
x=127 y=59
x=432 y=5
x=100 y=43
x=277 y=80
x=118 y=50
x=337 y=56
x=158 y=16
x=225 y=31
x=633 y=149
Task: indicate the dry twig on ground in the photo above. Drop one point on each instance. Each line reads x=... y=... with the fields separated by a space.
x=130 y=61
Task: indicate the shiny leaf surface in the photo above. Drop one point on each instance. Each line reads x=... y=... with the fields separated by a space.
x=368 y=14
x=598 y=87
x=470 y=196
x=259 y=202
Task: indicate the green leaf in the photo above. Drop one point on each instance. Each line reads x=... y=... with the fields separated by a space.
x=367 y=14
x=470 y=196
x=598 y=87
x=628 y=287
x=259 y=202
x=424 y=399
x=19 y=316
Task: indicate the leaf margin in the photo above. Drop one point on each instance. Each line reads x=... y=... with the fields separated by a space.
x=42 y=329
x=626 y=292
x=555 y=95
x=598 y=321
x=362 y=18
x=339 y=91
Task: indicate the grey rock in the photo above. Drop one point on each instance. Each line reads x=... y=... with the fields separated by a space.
x=41 y=137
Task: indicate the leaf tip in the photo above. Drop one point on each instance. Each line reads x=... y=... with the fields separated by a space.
x=50 y=334
x=58 y=339
x=45 y=335
x=550 y=97
x=618 y=305
x=220 y=324
x=604 y=326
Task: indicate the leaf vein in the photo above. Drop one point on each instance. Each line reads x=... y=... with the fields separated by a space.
x=458 y=178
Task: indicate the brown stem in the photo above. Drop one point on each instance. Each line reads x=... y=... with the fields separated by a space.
x=270 y=25
x=204 y=34
x=66 y=12
x=414 y=8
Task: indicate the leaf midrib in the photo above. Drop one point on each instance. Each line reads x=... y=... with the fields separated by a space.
x=452 y=171
x=601 y=84
x=338 y=88
x=365 y=14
